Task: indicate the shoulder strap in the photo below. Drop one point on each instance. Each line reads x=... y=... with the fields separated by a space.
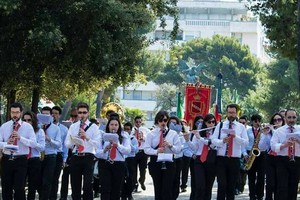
x=221 y=125
x=164 y=135
x=86 y=128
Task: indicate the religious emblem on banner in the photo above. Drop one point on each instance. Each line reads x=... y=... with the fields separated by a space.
x=198 y=98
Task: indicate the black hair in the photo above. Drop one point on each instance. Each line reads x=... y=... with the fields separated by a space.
x=16 y=105
x=272 y=118
x=233 y=105
x=128 y=124
x=160 y=115
x=195 y=120
x=119 y=131
x=256 y=117
x=244 y=117
x=57 y=108
x=46 y=108
x=207 y=118
x=34 y=120
x=83 y=105
x=173 y=117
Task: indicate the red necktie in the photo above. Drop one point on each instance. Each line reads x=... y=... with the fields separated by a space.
x=16 y=128
x=292 y=147
x=29 y=154
x=161 y=138
x=81 y=147
x=137 y=136
x=113 y=151
x=230 y=143
x=204 y=151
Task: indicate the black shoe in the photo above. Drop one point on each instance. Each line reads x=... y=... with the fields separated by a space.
x=183 y=189
x=142 y=186
x=96 y=195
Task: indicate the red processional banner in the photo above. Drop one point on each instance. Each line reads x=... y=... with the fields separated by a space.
x=197 y=101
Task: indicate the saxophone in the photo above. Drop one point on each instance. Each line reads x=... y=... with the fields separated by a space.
x=255 y=152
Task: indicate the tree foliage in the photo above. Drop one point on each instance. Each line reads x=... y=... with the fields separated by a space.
x=77 y=41
x=219 y=54
x=165 y=97
x=279 y=19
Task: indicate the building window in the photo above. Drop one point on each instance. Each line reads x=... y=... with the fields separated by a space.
x=139 y=95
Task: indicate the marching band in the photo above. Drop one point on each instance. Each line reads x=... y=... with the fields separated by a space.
x=36 y=151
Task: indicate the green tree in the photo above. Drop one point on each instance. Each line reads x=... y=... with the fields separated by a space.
x=219 y=54
x=75 y=39
x=131 y=113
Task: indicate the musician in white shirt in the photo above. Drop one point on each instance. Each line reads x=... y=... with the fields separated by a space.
x=162 y=140
x=229 y=145
x=111 y=156
x=14 y=162
x=83 y=137
x=288 y=157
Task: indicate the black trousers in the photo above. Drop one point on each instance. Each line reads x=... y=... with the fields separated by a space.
x=82 y=167
x=287 y=174
x=65 y=183
x=205 y=174
x=256 y=177
x=141 y=164
x=13 y=175
x=33 y=177
x=162 y=178
x=185 y=171
x=111 y=179
x=176 y=182
x=193 y=185
x=271 y=182
x=227 y=175
x=57 y=171
x=47 y=173
x=129 y=182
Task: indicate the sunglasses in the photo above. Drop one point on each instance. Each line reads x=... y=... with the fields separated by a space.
x=243 y=122
x=211 y=122
x=163 y=120
x=291 y=117
x=73 y=115
x=27 y=120
x=84 y=112
x=277 y=120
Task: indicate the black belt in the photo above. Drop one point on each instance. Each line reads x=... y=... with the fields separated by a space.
x=14 y=156
x=34 y=158
x=50 y=156
x=83 y=154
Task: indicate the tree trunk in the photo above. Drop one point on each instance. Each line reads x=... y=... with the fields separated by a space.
x=11 y=98
x=35 y=99
x=65 y=109
x=298 y=48
x=99 y=102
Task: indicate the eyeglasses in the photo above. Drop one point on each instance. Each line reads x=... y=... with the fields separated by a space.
x=163 y=120
x=74 y=115
x=211 y=122
x=84 y=112
x=277 y=120
x=243 y=122
x=291 y=117
x=27 y=120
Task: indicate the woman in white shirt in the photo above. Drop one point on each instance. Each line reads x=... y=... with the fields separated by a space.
x=162 y=140
x=112 y=160
x=204 y=171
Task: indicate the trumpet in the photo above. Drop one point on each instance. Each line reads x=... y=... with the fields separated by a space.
x=291 y=149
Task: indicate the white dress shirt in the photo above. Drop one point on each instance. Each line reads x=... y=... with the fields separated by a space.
x=240 y=139
x=123 y=149
x=197 y=143
x=40 y=144
x=27 y=137
x=142 y=131
x=279 y=138
x=152 y=141
x=93 y=133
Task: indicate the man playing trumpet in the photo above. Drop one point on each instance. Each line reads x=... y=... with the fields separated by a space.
x=288 y=161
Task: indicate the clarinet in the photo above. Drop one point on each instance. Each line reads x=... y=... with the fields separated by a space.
x=163 y=164
x=11 y=157
x=76 y=148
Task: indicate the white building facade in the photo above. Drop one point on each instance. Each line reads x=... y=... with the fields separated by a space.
x=204 y=19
